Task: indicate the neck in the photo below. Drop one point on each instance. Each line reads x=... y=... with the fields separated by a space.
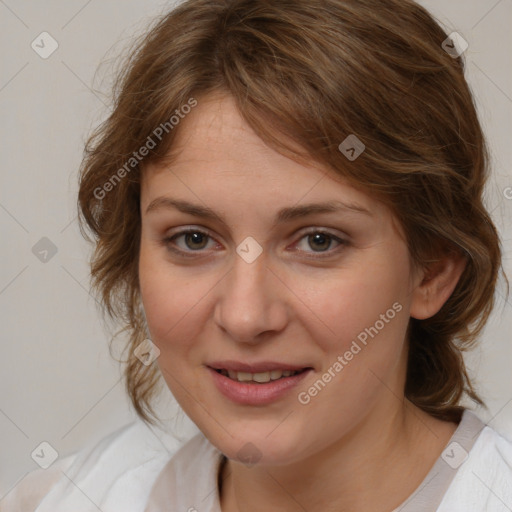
x=376 y=466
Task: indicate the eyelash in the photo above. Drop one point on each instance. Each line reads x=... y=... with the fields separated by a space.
x=190 y=254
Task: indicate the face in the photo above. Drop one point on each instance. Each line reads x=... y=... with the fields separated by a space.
x=237 y=267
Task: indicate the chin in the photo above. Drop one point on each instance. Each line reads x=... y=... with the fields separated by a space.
x=259 y=449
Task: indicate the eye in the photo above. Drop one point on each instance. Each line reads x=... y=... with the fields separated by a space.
x=192 y=240
x=320 y=242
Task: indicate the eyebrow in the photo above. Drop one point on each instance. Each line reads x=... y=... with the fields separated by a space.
x=284 y=215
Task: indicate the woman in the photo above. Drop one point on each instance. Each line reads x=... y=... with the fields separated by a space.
x=287 y=207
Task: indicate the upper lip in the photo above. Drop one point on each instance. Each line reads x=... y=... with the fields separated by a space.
x=263 y=366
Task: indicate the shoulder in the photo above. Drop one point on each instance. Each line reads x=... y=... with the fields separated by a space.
x=29 y=492
x=115 y=473
x=484 y=480
x=189 y=477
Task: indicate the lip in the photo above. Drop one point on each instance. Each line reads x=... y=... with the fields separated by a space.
x=263 y=366
x=253 y=393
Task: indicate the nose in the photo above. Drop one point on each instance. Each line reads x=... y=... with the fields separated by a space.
x=251 y=303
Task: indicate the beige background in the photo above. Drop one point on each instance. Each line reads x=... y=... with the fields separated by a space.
x=57 y=380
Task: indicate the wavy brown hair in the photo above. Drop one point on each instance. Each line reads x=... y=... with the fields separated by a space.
x=314 y=71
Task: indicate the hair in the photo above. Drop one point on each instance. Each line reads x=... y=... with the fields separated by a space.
x=313 y=72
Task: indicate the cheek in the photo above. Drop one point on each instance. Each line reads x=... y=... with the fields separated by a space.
x=171 y=299
x=361 y=332
x=352 y=301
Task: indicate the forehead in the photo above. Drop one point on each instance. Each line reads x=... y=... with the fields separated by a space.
x=218 y=159
x=214 y=131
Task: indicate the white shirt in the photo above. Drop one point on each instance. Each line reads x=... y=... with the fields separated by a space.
x=136 y=470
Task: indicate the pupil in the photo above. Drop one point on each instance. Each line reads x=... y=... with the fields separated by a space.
x=321 y=240
x=196 y=238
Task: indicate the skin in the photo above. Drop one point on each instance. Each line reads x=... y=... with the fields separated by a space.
x=359 y=444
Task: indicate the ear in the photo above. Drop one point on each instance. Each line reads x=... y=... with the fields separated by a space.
x=436 y=283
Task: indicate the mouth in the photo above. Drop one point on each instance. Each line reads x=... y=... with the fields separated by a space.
x=260 y=377
x=264 y=385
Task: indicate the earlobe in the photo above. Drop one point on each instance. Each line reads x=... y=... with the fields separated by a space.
x=436 y=286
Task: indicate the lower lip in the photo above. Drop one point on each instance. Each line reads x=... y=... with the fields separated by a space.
x=251 y=393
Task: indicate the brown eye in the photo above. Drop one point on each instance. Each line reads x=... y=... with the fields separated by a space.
x=195 y=240
x=187 y=242
x=319 y=240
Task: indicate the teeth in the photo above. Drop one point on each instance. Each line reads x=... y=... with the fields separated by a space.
x=261 y=377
